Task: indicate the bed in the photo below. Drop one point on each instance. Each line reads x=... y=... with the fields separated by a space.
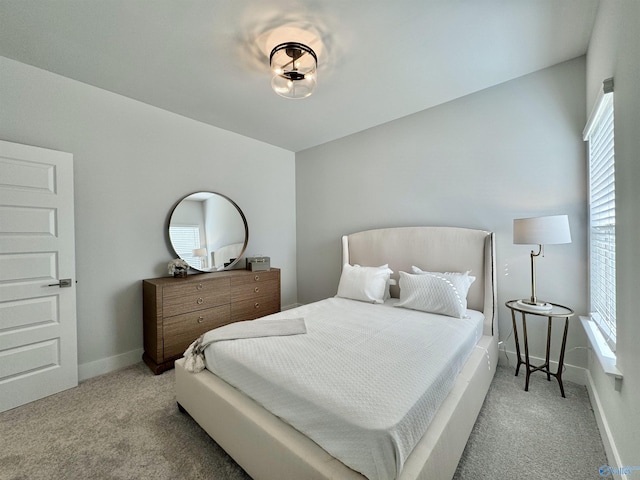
x=267 y=447
x=226 y=254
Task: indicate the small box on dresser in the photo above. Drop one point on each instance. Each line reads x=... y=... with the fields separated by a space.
x=258 y=263
x=176 y=311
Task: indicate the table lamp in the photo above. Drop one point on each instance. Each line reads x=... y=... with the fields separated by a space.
x=549 y=230
x=202 y=253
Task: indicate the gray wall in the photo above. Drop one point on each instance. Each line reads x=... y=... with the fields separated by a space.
x=514 y=150
x=132 y=163
x=613 y=52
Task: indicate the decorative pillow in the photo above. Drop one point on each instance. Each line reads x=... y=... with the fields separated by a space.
x=435 y=292
x=469 y=278
x=367 y=284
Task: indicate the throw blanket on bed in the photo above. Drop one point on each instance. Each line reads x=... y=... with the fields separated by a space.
x=194 y=355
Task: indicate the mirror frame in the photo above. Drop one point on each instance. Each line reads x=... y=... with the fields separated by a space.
x=244 y=221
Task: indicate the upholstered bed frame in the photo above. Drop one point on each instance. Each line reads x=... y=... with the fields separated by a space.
x=269 y=449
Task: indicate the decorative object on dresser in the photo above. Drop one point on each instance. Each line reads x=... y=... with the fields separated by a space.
x=258 y=263
x=178 y=310
x=178 y=268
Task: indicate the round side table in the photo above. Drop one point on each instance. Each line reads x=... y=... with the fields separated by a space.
x=557 y=311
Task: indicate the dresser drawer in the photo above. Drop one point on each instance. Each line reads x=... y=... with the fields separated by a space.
x=178 y=299
x=181 y=330
x=250 y=309
x=252 y=278
x=252 y=291
x=192 y=287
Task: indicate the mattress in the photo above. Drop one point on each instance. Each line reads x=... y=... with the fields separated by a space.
x=363 y=382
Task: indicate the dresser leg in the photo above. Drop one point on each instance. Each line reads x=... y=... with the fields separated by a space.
x=156 y=368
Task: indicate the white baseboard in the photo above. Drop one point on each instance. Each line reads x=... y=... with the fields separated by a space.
x=107 y=365
x=572 y=373
x=613 y=456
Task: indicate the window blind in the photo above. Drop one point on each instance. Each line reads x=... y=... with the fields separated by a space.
x=185 y=239
x=602 y=214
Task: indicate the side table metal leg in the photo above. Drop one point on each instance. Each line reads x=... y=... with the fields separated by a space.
x=515 y=337
x=546 y=358
x=561 y=359
x=526 y=351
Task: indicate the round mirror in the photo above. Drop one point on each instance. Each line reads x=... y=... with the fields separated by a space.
x=208 y=231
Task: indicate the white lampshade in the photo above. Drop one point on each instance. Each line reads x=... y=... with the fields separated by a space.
x=549 y=230
x=200 y=252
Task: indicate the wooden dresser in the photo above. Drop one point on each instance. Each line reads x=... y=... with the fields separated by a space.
x=176 y=311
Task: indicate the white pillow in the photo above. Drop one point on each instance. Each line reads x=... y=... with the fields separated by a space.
x=435 y=292
x=367 y=284
x=469 y=278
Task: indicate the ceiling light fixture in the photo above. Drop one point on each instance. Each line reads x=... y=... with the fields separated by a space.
x=293 y=66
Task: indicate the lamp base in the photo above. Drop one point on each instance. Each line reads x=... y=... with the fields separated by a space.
x=535 y=307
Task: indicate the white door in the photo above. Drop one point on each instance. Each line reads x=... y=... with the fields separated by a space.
x=38 y=346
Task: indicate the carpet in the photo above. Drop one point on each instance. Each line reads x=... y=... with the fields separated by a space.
x=125 y=425
x=533 y=435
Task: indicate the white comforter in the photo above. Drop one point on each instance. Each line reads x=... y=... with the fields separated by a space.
x=363 y=383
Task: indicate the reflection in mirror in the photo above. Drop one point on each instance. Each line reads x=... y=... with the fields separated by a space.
x=208 y=231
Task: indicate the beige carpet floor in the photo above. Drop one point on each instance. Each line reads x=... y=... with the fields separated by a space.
x=125 y=425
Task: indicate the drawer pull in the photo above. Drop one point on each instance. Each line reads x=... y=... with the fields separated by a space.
x=200 y=301
x=200 y=319
x=257 y=305
x=256 y=278
x=257 y=289
x=199 y=287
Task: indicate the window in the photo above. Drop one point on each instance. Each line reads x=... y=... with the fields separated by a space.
x=185 y=239
x=599 y=132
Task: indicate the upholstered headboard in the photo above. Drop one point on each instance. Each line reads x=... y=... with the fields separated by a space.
x=435 y=249
x=226 y=253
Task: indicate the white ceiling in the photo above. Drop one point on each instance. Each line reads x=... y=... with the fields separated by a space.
x=379 y=60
